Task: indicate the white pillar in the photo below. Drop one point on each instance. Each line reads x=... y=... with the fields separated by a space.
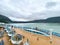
x=22 y=26
x=51 y=31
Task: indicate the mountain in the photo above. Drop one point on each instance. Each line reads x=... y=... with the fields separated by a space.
x=4 y=19
x=53 y=19
x=48 y=20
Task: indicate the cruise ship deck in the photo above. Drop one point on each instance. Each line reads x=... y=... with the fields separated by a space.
x=34 y=39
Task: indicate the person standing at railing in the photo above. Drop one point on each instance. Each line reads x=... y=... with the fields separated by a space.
x=36 y=28
x=12 y=27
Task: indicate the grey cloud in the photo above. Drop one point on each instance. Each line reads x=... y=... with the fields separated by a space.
x=44 y=15
x=10 y=9
x=50 y=4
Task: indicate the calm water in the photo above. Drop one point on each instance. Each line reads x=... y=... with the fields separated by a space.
x=47 y=26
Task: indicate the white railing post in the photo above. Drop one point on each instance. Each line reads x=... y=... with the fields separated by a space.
x=51 y=31
x=22 y=26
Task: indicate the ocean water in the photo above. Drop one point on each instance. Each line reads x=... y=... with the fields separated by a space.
x=46 y=26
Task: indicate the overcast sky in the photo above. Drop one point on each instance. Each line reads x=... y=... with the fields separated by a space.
x=24 y=10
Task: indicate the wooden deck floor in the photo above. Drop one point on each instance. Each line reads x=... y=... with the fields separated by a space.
x=43 y=40
x=34 y=39
x=6 y=39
